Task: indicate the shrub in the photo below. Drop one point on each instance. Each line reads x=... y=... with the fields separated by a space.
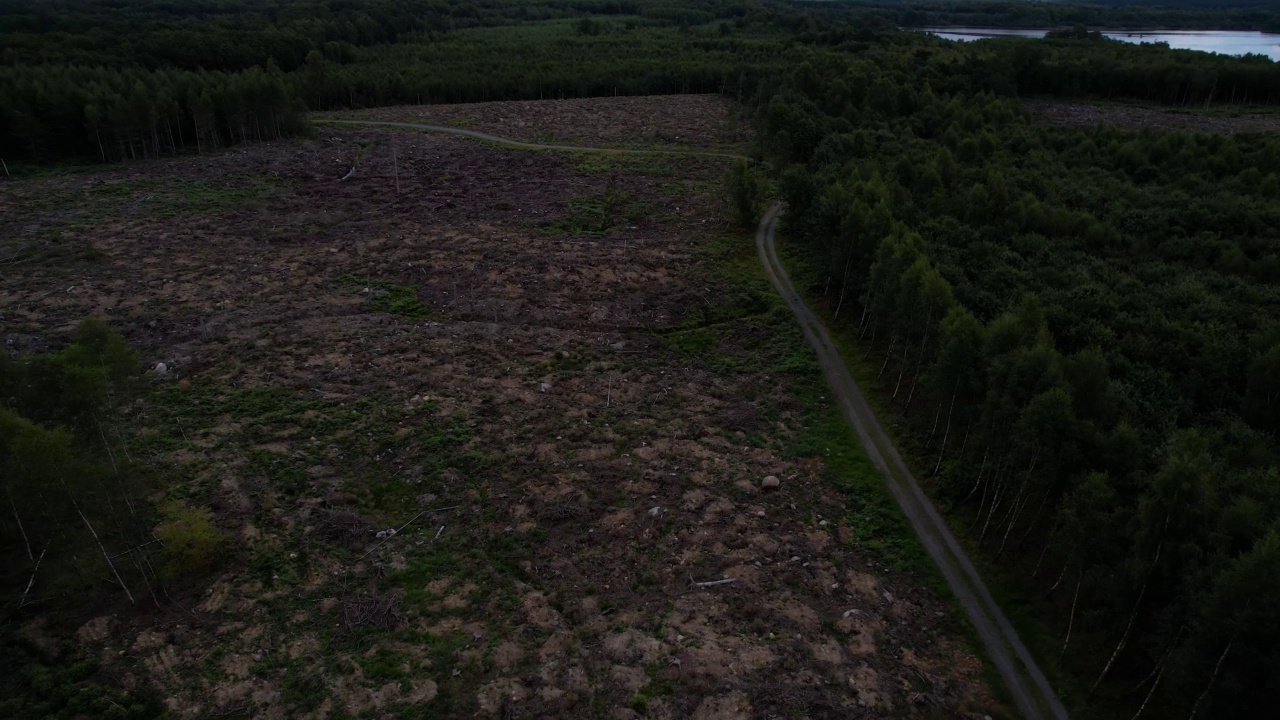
x=192 y=543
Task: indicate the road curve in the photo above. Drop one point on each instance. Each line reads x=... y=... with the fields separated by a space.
x=1030 y=689
x=1022 y=677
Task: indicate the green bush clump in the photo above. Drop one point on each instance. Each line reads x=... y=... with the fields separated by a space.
x=192 y=544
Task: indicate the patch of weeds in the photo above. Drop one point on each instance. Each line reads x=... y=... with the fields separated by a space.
x=272 y=567
x=191 y=544
x=282 y=473
x=384 y=667
x=657 y=688
x=777 y=347
x=427 y=567
x=174 y=197
x=599 y=163
x=696 y=341
x=656 y=165
x=303 y=691
x=877 y=523
x=387 y=296
x=234 y=192
x=566 y=362
x=388 y=451
x=52 y=251
x=590 y=215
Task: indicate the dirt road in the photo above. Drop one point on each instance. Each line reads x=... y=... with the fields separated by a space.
x=1030 y=689
x=537 y=146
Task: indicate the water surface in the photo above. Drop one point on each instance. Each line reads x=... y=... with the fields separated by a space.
x=1226 y=42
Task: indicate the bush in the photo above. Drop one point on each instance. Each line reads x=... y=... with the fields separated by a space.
x=193 y=545
x=71 y=387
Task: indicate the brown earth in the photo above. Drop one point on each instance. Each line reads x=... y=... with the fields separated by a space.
x=703 y=121
x=1073 y=114
x=487 y=361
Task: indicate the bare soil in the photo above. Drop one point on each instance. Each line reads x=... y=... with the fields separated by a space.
x=703 y=121
x=1073 y=114
x=505 y=372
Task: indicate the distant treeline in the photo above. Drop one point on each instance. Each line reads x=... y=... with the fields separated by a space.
x=1164 y=14
x=60 y=111
x=125 y=79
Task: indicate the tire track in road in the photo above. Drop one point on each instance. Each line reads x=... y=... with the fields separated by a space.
x=1023 y=678
x=1030 y=689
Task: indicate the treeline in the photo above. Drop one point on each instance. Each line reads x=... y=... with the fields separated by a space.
x=124 y=79
x=130 y=79
x=240 y=34
x=1078 y=327
x=58 y=111
x=546 y=61
x=1099 y=67
x=1117 y=14
x=1085 y=66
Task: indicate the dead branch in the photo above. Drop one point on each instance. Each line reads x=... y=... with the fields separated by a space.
x=132 y=549
x=30 y=583
x=105 y=555
x=344 y=527
x=402 y=527
x=240 y=708
x=21 y=529
x=381 y=611
x=1214 y=677
x=713 y=583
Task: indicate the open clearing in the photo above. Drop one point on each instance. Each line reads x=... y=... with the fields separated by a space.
x=1078 y=114
x=700 y=121
x=566 y=373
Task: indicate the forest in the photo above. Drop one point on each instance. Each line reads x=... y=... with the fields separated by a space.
x=1164 y=14
x=1077 y=326
x=214 y=74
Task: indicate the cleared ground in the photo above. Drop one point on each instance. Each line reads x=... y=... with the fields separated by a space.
x=701 y=121
x=1229 y=121
x=561 y=377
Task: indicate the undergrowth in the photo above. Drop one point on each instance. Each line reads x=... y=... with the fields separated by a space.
x=387 y=296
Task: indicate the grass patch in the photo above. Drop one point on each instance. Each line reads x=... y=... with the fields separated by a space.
x=386 y=449
x=647 y=164
x=750 y=308
x=166 y=198
x=387 y=296
x=594 y=214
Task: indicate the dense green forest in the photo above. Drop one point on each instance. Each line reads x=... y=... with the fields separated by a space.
x=126 y=79
x=1165 y=14
x=1079 y=326
x=129 y=79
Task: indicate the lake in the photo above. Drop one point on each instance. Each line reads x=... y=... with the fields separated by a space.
x=1227 y=42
